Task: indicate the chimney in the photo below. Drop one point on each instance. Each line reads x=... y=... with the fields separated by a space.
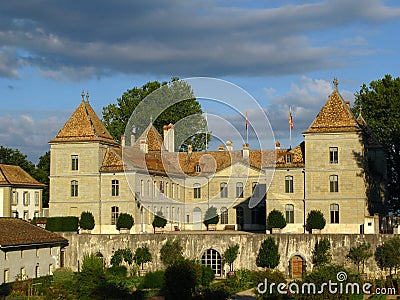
x=123 y=140
x=132 y=139
x=229 y=146
x=143 y=146
x=169 y=137
x=245 y=151
x=277 y=145
x=189 y=149
x=347 y=103
x=221 y=148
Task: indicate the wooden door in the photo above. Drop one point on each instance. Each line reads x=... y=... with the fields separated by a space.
x=297 y=266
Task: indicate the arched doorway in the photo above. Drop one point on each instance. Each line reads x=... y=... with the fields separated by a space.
x=297 y=267
x=213 y=259
x=196 y=218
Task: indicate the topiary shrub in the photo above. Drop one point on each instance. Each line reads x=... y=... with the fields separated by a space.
x=124 y=221
x=276 y=219
x=159 y=221
x=211 y=216
x=230 y=255
x=315 y=220
x=153 y=280
x=87 y=220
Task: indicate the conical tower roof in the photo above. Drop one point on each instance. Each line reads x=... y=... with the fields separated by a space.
x=84 y=125
x=334 y=116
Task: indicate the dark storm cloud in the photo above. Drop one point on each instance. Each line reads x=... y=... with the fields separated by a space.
x=95 y=38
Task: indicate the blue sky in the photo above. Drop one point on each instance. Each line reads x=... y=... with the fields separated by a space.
x=284 y=53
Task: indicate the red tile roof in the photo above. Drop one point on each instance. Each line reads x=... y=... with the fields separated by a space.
x=16 y=232
x=15 y=175
x=84 y=125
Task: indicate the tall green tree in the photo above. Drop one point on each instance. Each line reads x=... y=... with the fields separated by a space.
x=42 y=174
x=360 y=254
x=321 y=253
x=171 y=252
x=163 y=96
x=380 y=106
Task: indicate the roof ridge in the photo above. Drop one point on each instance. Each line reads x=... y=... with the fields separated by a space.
x=90 y=120
x=4 y=175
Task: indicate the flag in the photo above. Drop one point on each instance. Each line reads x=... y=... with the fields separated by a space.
x=290 y=120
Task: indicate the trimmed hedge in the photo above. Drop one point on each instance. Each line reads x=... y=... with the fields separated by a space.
x=62 y=224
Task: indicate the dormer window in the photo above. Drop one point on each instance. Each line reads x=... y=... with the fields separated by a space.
x=288 y=159
x=197 y=169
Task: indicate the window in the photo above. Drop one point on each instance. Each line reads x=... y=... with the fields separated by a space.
x=239 y=216
x=25 y=198
x=289 y=213
x=224 y=190
x=239 y=190
x=51 y=268
x=334 y=208
x=5 y=255
x=26 y=215
x=212 y=258
x=74 y=162
x=22 y=253
x=289 y=159
x=114 y=187
x=74 y=188
x=14 y=199
x=114 y=214
x=196 y=191
x=255 y=189
x=37 y=272
x=36 y=214
x=289 y=184
x=149 y=193
x=333 y=182
x=224 y=215
x=6 y=275
x=197 y=169
x=15 y=214
x=142 y=188
x=37 y=252
x=173 y=190
x=167 y=189
x=37 y=198
x=333 y=155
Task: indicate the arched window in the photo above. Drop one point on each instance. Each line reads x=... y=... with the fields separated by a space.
x=288 y=184
x=289 y=213
x=196 y=191
x=239 y=190
x=74 y=188
x=224 y=215
x=212 y=258
x=334 y=208
x=334 y=183
x=114 y=214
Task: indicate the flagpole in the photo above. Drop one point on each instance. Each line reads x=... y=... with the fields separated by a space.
x=247 y=129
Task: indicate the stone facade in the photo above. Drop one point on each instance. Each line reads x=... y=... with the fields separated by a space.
x=326 y=172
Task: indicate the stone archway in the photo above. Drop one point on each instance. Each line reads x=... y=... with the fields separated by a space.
x=296 y=266
x=213 y=259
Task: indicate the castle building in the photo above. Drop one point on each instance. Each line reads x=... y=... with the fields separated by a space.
x=332 y=170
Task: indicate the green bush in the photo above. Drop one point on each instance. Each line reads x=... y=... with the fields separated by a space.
x=87 y=220
x=122 y=255
x=62 y=224
x=124 y=221
x=315 y=220
x=212 y=293
x=118 y=271
x=272 y=276
x=268 y=256
x=242 y=281
x=171 y=252
x=153 y=280
x=39 y=220
x=276 y=219
x=207 y=275
x=321 y=252
x=159 y=220
x=181 y=279
x=211 y=216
